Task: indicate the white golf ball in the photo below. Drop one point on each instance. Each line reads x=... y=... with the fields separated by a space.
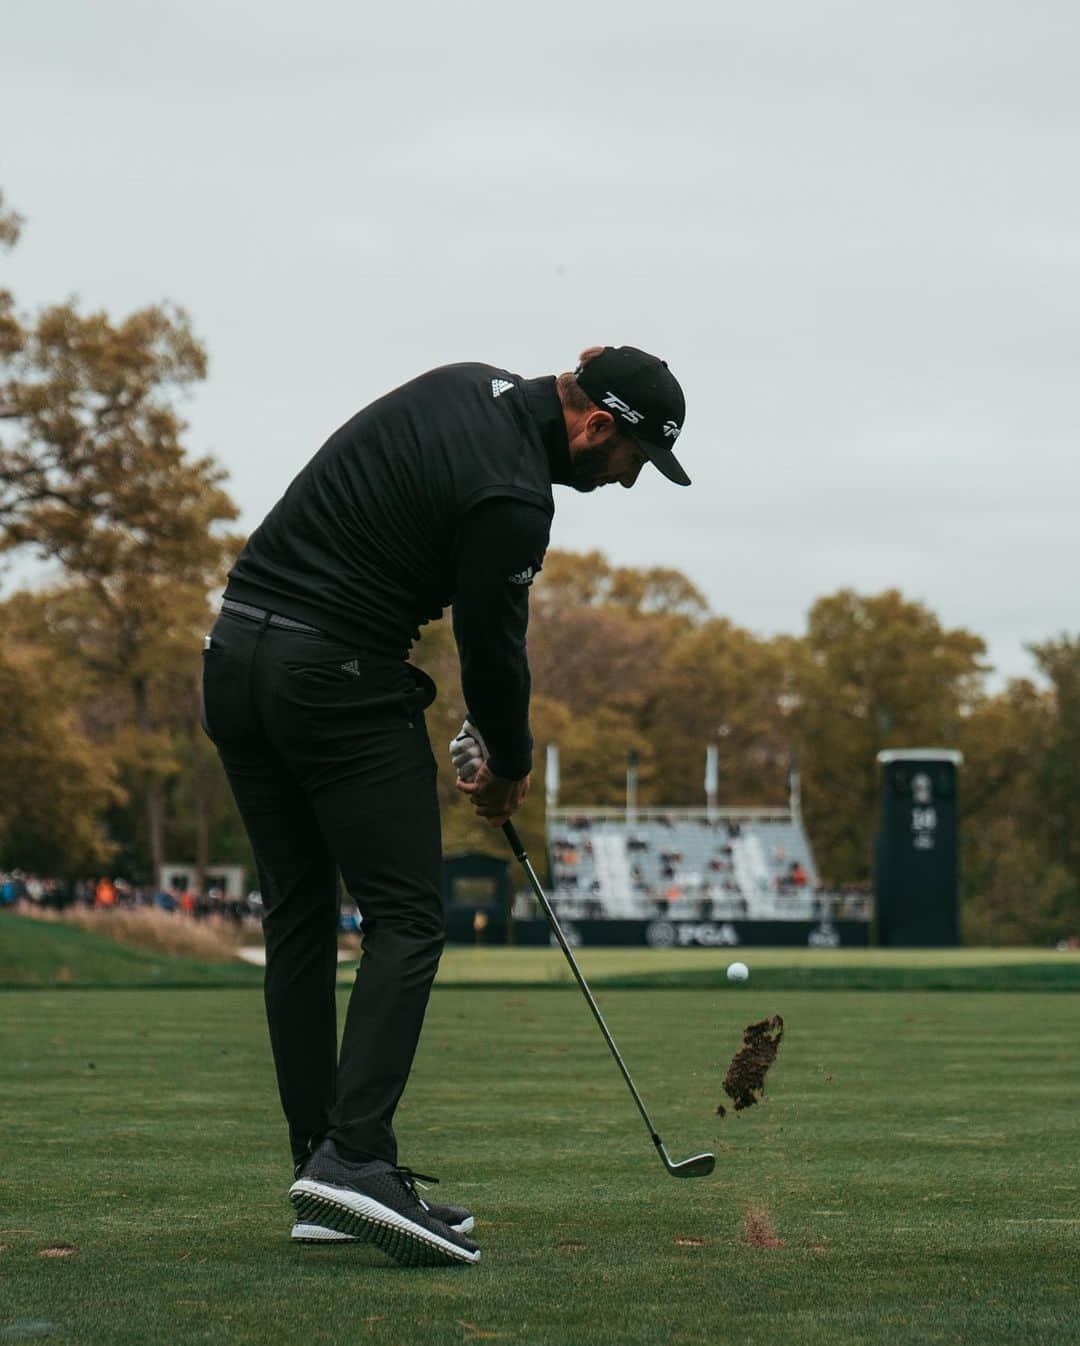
x=737 y=972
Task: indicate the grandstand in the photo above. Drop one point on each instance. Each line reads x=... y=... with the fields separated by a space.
x=704 y=864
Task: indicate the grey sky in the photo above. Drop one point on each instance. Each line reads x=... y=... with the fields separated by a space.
x=852 y=228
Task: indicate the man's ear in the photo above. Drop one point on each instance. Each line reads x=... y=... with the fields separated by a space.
x=599 y=427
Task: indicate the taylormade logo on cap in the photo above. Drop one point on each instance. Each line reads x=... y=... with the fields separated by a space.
x=644 y=397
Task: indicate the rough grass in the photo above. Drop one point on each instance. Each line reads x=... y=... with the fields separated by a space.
x=211 y=939
x=915 y=1154
x=48 y=953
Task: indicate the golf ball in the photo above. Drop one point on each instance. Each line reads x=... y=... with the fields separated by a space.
x=737 y=972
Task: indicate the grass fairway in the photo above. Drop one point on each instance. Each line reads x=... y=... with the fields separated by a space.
x=917 y=1154
x=783 y=969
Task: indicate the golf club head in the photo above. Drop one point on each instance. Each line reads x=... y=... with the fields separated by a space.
x=697 y=1166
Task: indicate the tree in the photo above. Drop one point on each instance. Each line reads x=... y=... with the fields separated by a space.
x=94 y=476
x=57 y=783
x=1009 y=892
x=1059 y=778
x=597 y=631
x=11 y=334
x=1004 y=739
x=719 y=683
x=89 y=411
x=588 y=579
x=1016 y=896
x=593 y=754
x=203 y=823
x=873 y=672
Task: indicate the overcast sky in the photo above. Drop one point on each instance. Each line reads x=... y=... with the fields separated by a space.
x=853 y=230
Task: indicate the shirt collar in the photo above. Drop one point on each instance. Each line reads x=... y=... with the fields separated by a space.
x=546 y=408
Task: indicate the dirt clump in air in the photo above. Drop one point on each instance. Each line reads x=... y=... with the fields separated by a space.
x=744 y=1082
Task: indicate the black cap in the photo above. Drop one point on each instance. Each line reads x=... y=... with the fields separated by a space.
x=644 y=397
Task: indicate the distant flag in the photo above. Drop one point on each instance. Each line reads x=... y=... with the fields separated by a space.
x=794 y=784
x=712 y=771
x=631 y=783
x=551 y=775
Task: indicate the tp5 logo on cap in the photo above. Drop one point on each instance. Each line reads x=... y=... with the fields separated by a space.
x=645 y=395
x=615 y=402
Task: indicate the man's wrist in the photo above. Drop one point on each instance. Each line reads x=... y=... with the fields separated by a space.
x=510 y=768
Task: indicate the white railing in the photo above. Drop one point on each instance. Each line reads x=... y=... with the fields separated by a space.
x=751 y=813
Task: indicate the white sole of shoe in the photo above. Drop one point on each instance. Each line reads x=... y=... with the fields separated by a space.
x=317 y=1233
x=369 y=1221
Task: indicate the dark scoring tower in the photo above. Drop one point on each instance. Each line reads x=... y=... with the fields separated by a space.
x=916 y=858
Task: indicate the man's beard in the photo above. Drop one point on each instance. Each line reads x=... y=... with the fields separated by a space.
x=589 y=467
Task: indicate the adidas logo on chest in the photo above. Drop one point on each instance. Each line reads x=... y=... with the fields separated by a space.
x=500 y=386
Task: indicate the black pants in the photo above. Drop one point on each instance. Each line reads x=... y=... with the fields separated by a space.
x=328 y=758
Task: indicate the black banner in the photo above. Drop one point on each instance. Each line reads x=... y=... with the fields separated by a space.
x=462 y=928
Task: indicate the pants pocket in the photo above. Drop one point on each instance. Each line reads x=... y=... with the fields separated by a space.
x=422 y=693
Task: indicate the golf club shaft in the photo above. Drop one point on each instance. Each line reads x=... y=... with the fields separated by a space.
x=510 y=832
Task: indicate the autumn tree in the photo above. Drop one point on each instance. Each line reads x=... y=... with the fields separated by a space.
x=587 y=579
x=873 y=672
x=1014 y=893
x=717 y=683
x=202 y=821
x=57 y=786
x=1003 y=863
x=11 y=334
x=1059 y=778
x=94 y=477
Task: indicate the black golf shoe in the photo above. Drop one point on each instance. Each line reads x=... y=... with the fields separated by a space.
x=375 y=1202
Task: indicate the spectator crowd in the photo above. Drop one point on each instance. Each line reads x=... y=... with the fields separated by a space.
x=17 y=887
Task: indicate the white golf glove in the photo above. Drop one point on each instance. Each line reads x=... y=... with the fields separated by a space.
x=468 y=751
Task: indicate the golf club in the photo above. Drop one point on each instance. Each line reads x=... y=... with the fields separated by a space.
x=698 y=1165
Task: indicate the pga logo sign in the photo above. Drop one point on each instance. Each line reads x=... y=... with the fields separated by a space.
x=668 y=934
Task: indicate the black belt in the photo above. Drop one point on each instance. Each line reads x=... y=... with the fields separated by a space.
x=271 y=618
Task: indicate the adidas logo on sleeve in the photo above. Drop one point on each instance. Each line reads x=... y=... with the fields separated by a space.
x=500 y=386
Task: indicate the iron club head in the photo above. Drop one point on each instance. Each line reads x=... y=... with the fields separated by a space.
x=697 y=1166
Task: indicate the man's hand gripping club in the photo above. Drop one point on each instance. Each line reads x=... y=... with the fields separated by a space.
x=492 y=797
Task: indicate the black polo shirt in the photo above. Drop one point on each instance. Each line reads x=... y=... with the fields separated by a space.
x=438 y=493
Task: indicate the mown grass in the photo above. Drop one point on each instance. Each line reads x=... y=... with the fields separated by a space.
x=788 y=969
x=917 y=1156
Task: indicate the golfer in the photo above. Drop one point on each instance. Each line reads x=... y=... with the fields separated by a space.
x=438 y=494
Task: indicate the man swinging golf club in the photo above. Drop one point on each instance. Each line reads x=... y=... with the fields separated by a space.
x=439 y=493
